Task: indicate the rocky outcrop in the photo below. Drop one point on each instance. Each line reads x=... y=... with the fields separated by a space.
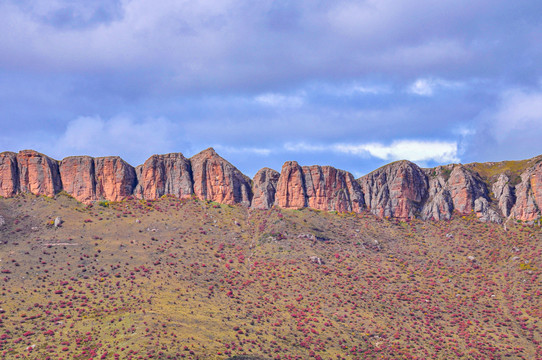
x=291 y=193
x=330 y=189
x=528 y=203
x=168 y=174
x=395 y=190
x=400 y=189
x=38 y=173
x=439 y=204
x=264 y=187
x=318 y=187
x=504 y=194
x=217 y=180
x=79 y=177
x=465 y=188
x=9 y=174
x=115 y=178
x=454 y=187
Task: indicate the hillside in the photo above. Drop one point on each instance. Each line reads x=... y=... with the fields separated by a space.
x=183 y=278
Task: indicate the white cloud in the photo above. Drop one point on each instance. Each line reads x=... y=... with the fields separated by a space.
x=92 y=135
x=279 y=100
x=237 y=150
x=428 y=86
x=304 y=147
x=413 y=150
x=422 y=87
x=518 y=112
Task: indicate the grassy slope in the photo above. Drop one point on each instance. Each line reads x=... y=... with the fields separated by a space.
x=188 y=279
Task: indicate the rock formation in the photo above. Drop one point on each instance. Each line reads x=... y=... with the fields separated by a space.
x=317 y=187
x=115 y=178
x=38 y=174
x=264 y=188
x=9 y=174
x=168 y=174
x=395 y=190
x=528 y=203
x=291 y=193
x=79 y=177
x=504 y=193
x=491 y=191
x=217 y=180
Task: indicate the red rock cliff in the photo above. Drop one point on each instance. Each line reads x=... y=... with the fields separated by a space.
x=318 y=187
x=217 y=180
x=38 y=174
x=9 y=174
x=168 y=174
x=115 y=179
x=395 y=190
x=528 y=204
x=79 y=177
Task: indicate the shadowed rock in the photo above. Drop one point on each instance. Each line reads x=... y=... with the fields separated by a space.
x=168 y=174
x=529 y=195
x=264 y=187
x=9 y=174
x=395 y=190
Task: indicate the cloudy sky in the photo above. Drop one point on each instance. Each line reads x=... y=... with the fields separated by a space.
x=353 y=84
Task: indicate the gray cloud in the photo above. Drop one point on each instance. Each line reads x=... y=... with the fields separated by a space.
x=252 y=76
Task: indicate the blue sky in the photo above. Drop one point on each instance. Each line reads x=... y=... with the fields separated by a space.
x=353 y=84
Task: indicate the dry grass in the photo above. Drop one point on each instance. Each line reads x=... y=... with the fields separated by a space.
x=174 y=279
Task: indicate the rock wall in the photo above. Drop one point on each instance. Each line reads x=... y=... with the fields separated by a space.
x=317 y=187
x=217 y=180
x=400 y=189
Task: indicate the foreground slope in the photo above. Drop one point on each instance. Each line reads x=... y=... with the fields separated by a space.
x=183 y=278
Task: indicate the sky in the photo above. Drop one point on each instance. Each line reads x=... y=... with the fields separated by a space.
x=352 y=84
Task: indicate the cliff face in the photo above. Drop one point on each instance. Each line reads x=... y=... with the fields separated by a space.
x=115 y=178
x=217 y=180
x=79 y=177
x=528 y=203
x=38 y=174
x=491 y=191
x=9 y=175
x=317 y=187
x=168 y=174
x=264 y=188
x=395 y=190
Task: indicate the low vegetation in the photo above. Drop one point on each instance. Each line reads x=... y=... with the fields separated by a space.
x=174 y=279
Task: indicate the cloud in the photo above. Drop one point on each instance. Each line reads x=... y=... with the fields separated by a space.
x=280 y=100
x=413 y=150
x=428 y=86
x=135 y=140
x=519 y=111
x=243 y=150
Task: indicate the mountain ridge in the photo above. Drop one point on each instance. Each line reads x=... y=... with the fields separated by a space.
x=494 y=191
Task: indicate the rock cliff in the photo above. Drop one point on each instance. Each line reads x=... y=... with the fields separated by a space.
x=528 y=192
x=169 y=174
x=9 y=175
x=395 y=190
x=317 y=187
x=115 y=178
x=264 y=187
x=217 y=180
x=491 y=191
x=38 y=173
x=79 y=177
